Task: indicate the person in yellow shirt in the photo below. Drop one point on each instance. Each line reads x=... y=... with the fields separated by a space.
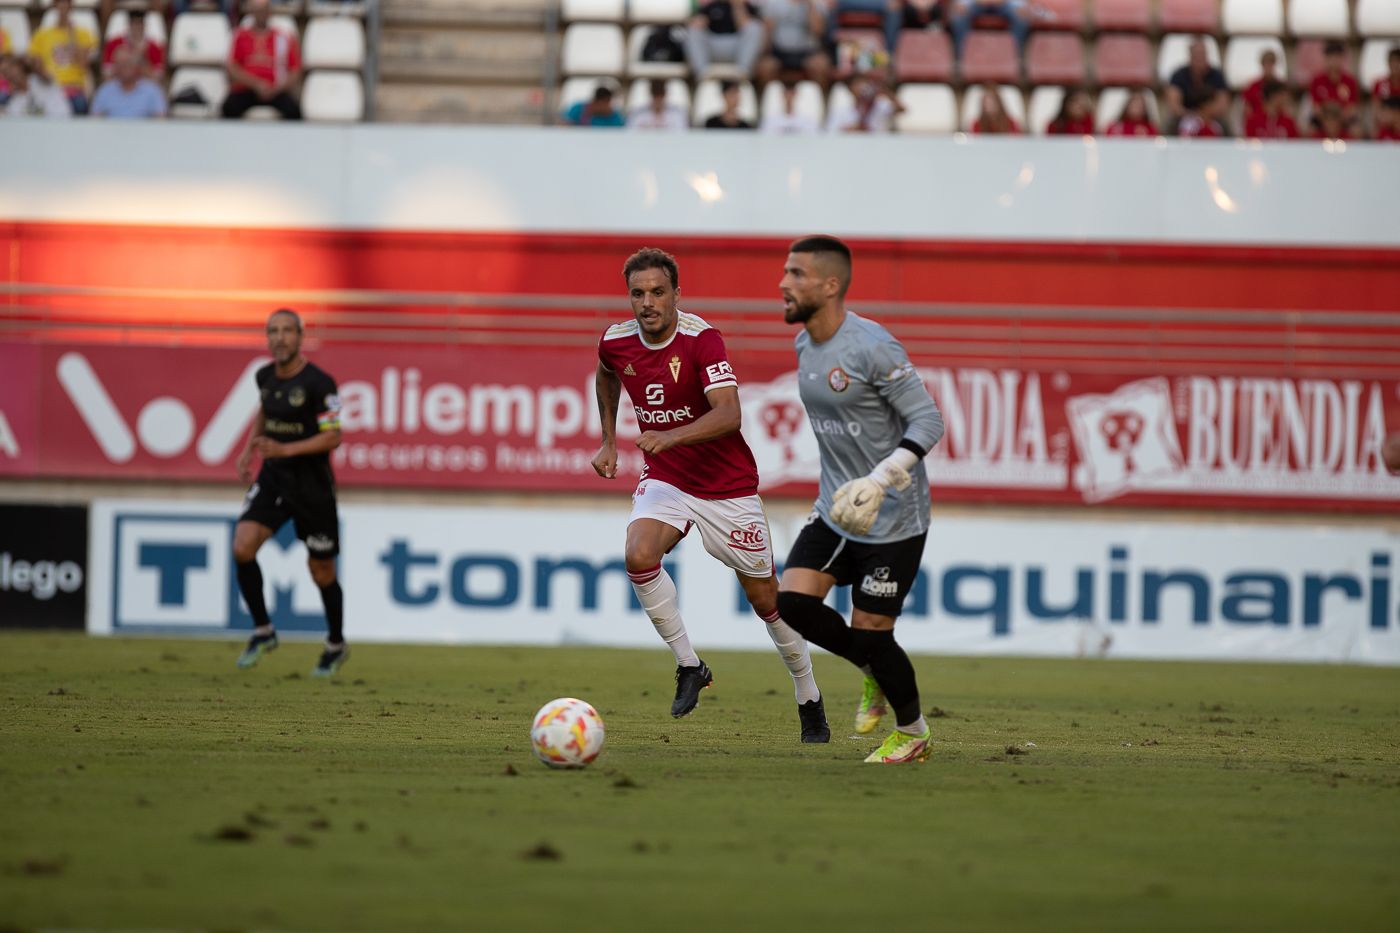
x=66 y=53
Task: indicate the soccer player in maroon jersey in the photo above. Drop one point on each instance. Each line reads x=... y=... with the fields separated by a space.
x=699 y=473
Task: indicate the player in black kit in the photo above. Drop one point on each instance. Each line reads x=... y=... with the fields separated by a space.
x=295 y=432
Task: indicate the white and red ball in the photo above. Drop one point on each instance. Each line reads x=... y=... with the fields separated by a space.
x=567 y=733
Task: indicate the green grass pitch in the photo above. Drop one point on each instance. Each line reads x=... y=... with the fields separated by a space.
x=151 y=785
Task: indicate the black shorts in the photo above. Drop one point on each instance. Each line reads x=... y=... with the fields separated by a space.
x=879 y=575
x=269 y=502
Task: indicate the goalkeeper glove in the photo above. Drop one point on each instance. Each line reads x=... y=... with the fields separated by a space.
x=857 y=503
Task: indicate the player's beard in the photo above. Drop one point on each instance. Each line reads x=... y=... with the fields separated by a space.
x=799 y=312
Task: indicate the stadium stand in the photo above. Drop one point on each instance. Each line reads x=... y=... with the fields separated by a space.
x=1329 y=18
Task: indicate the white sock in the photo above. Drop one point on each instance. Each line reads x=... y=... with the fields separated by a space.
x=262 y=630
x=917 y=727
x=793 y=649
x=657 y=593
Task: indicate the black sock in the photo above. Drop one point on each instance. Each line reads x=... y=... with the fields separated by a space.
x=250 y=584
x=817 y=622
x=333 y=598
x=892 y=671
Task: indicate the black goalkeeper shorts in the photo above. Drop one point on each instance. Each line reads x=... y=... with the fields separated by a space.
x=314 y=514
x=879 y=575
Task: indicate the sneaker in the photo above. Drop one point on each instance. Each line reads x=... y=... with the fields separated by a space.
x=812 y=715
x=901 y=747
x=689 y=682
x=330 y=662
x=258 y=646
x=872 y=707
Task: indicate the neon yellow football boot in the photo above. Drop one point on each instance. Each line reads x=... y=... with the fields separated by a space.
x=872 y=707
x=901 y=747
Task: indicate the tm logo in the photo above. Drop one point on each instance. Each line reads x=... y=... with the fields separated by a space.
x=165 y=425
x=176 y=571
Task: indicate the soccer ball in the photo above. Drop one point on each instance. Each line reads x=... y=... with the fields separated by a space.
x=567 y=733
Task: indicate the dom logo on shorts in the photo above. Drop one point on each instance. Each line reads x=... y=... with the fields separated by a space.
x=878 y=583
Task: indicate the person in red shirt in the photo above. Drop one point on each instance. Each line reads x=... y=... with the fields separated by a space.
x=1388 y=86
x=1388 y=120
x=993 y=117
x=1134 y=120
x=1273 y=121
x=1330 y=123
x=699 y=473
x=1254 y=94
x=264 y=67
x=1334 y=84
x=1076 y=116
x=147 y=50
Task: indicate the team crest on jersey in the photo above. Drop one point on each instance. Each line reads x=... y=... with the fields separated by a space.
x=675 y=369
x=838 y=380
x=628 y=370
x=296 y=397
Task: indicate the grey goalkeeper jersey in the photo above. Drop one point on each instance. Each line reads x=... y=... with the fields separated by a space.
x=863 y=397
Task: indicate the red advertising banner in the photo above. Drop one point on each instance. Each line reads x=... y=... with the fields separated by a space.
x=525 y=419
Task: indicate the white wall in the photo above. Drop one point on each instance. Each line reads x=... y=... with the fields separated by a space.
x=568 y=180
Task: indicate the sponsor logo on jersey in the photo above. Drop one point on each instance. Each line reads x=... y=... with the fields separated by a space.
x=675 y=369
x=878 y=583
x=628 y=370
x=284 y=427
x=656 y=394
x=665 y=416
x=296 y=396
x=719 y=372
x=752 y=537
x=838 y=380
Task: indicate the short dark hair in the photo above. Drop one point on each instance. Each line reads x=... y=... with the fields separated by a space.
x=827 y=245
x=657 y=87
x=295 y=317
x=1334 y=47
x=1271 y=88
x=602 y=94
x=649 y=257
x=1391 y=103
x=1393 y=53
x=727 y=85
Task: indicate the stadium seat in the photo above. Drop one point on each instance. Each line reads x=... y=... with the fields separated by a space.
x=334 y=42
x=1252 y=17
x=77 y=4
x=1242 y=60
x=1122 y=15
x=1377 y=18
x=16 y=26
x=281 y=22
x=990 y=56
x=659 y=11
x=354 y=8
x=928 y=108
x=597 y=11
x=1319 y=18
x=639 y=95
x=1122 y=59
x=333 y=97
x=840 y=99
x=855 y=48
x=709 y=101
x=199 y=39
x=1188 y=16
x=637 y=68
x=1373 y=65
x=1112 y=100
x=580 y=90
x=19 y=4
x=1055 y=58
x=809 y=99
x=923 y=55
x=1010 y=99
x=1044 y=104
x=590 y=49
x=82 y=18
x=212 y=85
x=118 y=21
x=1175 y=51
x=1063 y=14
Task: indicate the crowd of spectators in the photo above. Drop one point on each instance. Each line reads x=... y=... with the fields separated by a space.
x=790 y=41
x=68 y=72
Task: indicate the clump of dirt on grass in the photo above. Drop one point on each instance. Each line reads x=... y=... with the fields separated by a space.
x=1016 y=750
x=544 y=852
x=625 y=781
x=233 y=833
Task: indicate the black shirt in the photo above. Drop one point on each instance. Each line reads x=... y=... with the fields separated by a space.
x=1196 y=92
x=720 y=14
x=294 y=409
x=717 y=123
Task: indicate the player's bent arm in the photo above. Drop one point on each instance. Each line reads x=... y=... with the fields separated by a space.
x=724 y=417
x=322 y=443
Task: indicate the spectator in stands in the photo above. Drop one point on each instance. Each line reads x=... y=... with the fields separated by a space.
x=993 y=118
x=65 y=52
x=1017 y=13
x=789 y=121
x=796 y=31
x=1388 y=86
x=264 y=67
x=1135 y=119
x=229 y=8
x=1197 y=90
x=1334 y=84
x=890 y=14
x=1330 y=122
x=658 y=113
x=728 y=119
x=599 y=111
x=129 y=94
x=1273 y=121
x=32 y=94
x=148 y=51
x=1388 y=120
x=1268 y=74
x=872 y=108
x=921 y=14
x=1076 y=116
x=724 y=31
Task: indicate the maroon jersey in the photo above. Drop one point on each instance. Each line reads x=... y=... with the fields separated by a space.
x=667 y=384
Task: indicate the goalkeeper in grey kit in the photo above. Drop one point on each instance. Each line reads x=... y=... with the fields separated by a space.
x=875 y=422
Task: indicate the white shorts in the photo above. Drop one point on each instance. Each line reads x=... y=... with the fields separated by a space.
x=735 y=531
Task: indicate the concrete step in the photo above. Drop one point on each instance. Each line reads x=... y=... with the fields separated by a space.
x=462 y=55
x=418 y=102
x=497 y=13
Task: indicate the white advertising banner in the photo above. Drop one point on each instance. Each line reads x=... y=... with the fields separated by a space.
x=555 y=576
